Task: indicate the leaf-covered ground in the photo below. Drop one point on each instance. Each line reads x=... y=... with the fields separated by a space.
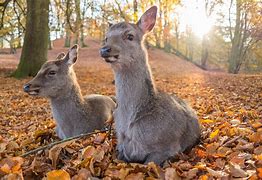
x=229 y=108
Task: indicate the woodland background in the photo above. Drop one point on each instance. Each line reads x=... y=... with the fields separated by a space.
x=208 y=52
x=214 y=34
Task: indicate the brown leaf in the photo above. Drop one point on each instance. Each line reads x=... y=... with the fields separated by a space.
x=245 y=147
x=220 y=163
x=12 y=146
x=236 y=171
x=217 y=174
x=170 y=174
x=133 y=176
x=82 y=174
x=55 y=151
x=211 y=148
x=192 y=173
x=88 y=152
x=100 y=138
x=258 y=150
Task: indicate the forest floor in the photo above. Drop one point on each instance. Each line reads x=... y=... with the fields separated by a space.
x=229 y=108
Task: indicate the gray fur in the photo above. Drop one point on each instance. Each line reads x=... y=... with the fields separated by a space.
x=150 y=125
x=73 y=113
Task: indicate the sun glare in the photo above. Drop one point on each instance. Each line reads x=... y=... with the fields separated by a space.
x=192 y=14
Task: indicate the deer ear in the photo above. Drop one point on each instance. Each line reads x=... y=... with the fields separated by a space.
x=147 y=21
x=71 y=56
x=60 y=55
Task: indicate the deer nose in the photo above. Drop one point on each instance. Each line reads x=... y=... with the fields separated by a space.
x=105 y=52
x=27 y=87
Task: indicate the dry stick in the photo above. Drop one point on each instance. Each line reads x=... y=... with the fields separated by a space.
x=59 y=142
x=230 y=141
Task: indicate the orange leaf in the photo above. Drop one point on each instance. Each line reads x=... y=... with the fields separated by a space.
x=203 y=177
x=5 y=168
x=259 y=172
x=58 y=175
x=201 y=153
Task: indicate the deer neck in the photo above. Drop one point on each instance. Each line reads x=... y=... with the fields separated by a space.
x=69 y=102
x=134 y=85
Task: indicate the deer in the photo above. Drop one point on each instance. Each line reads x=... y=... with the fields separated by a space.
x=74 y=113
x=151 y=126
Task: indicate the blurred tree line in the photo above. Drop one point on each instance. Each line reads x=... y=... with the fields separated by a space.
x=233 y=43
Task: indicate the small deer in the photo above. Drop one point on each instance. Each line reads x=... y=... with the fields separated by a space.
x=150 y=125
x=73 y=113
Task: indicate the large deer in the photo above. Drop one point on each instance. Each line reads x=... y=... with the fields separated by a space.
x=150 y=125
x=73 y=113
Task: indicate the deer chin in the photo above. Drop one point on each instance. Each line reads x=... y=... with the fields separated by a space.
x=34 y=92
x=112 y=59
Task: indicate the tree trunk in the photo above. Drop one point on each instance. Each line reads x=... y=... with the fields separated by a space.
x=34 y=52
x=50 y=44
x=1 y=42
x=78 y=21
x=68 y=36
x=204 y=52
x=235 y=54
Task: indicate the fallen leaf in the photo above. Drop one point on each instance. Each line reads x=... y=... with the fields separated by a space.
x=236 y=171
x=217 y=174
x=55 y=151
x=133 y=176
x=58 y=175
x=100 y=138
x=171 y=174
x=259 y=172
x=214 y=134
x=82 y=174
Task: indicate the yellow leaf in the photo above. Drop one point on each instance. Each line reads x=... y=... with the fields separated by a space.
x=58 y=175
x=214 y=134
x=206 y=121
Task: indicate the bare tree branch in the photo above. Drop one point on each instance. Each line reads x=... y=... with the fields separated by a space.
x=17 y=15
x=4 y=5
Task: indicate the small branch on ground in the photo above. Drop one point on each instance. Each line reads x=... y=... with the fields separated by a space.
x=60 y=142
x=230 y=141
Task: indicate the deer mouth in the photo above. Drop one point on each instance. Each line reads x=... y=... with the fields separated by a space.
x=34 y=92
x=112 y=59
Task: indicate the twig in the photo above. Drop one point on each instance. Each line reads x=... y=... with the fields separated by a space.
x=62 y=141
x=230 y=141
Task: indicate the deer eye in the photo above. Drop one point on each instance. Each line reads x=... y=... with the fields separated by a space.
x=130 y=37
x=51 y=73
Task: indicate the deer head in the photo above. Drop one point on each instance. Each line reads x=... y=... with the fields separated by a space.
x=123 y=41
x=54 y=77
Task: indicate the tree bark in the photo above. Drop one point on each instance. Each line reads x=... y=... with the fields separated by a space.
x=34 y=52
x=78 y=21
x=234 y=57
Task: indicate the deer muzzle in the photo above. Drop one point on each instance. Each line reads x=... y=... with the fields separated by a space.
x=31 y=90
